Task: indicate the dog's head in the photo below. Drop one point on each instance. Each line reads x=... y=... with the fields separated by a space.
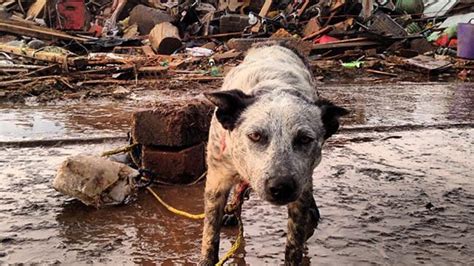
x=276 y=138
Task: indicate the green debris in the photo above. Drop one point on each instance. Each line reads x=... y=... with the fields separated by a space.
x=353 y=64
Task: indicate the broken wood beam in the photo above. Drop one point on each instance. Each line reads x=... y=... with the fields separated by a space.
x=219 y=35
x=27 y=29
x=263 y=13
x=356 y=42
x=16 y=81
x=21 y=66
x=62 y=59
x=35 y=9
x=319 y=32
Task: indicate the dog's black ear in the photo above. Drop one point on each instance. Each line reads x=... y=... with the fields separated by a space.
x=330 y=115
x=230 y=104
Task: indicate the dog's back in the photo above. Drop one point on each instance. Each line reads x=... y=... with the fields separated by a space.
x=271 y=67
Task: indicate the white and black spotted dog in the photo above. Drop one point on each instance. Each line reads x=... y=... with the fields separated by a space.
x=268 y=130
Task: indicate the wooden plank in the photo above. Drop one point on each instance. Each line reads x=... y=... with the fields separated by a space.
x=21 y=66
x=263 y=12
x=16 y=81
x=319 y=32
x=43 y=56
x=35 y=9
x=19 y=28
x=345 y=44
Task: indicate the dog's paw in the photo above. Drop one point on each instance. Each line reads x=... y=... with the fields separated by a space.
x=229 y=220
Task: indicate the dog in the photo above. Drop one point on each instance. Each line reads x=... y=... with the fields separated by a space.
x=268 y=130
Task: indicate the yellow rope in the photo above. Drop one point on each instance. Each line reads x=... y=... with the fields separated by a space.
x=174 y=210
x=234 y=247
x=120 y=150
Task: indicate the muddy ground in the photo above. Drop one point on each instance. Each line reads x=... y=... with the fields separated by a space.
x=394 y=187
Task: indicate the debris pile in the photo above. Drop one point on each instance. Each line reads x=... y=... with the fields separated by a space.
x=70 y=44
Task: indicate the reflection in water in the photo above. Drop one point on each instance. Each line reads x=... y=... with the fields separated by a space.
x=15 y=124
x=63 y=121
x=404 y=104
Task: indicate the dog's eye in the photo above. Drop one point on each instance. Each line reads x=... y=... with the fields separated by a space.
x=303 y=140
x=255 y=136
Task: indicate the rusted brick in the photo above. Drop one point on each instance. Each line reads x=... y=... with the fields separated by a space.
x=179 y=123
x=182 y=166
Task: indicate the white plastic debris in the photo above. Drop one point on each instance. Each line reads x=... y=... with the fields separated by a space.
x=95 y=181
x=199 y=51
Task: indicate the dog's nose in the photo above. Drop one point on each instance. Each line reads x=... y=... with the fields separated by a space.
x=281 y=189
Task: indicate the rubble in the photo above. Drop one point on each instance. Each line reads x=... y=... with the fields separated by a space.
x=126 y=41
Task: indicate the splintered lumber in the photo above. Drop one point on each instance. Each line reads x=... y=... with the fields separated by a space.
x=62 y=59
x=263 y=12
x=316 y=33
x=27 y=29
x=164 y=38
x=25 y=80
x=356 y=42
x=35 y=9
x=20 y=66
x=152 y=69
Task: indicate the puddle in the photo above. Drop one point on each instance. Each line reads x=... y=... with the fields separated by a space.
x=401 y=104
x=63 y=121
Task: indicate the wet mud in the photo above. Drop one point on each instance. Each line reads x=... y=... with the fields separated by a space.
x=399 y=197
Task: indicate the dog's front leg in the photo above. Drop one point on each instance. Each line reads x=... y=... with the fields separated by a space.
x=303 y=217
x=215 y=198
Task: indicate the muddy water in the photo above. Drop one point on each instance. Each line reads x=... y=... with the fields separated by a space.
x=400 y=197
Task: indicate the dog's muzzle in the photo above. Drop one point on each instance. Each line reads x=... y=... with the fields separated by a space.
x=281 y=190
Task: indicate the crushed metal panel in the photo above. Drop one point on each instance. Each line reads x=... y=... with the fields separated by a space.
x=436 y=8
x=385 y=25
x=427 y=63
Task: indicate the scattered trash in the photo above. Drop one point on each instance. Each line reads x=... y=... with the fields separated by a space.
x=354 y=64
x=68 y=45
x=199 y=51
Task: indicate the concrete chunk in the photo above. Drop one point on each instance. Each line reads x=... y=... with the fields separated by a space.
x=179 y=123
